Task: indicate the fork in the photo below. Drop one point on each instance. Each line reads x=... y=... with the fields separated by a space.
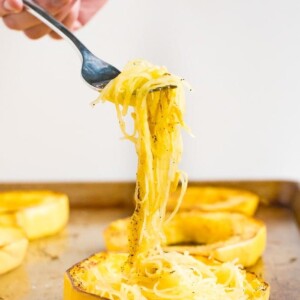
x=96 y=72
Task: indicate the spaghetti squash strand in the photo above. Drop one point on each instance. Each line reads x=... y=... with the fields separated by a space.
x=149 y=272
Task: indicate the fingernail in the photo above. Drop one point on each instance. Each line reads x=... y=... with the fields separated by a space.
x=7 y=6
x=76 y=25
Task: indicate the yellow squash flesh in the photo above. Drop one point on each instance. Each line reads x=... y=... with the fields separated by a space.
x=38 y=213
x=13 y=246
x=80 y=282
x=216 y=199
x=223 y=236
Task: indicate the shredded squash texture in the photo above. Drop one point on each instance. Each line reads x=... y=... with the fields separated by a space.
x=155 y=100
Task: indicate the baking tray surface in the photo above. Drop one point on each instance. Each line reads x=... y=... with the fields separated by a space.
x=97 y=204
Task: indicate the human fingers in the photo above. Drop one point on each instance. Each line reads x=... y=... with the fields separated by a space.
x=88 y=9
x=38 y=31
x=10 y=7
x=53 y=6
x=69 y=20
x=25 y=20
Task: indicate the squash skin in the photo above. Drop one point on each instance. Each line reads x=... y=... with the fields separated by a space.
x=75 y=285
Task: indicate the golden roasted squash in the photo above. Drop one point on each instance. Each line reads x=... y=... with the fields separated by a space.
x=221 y=235
x=38 y=213
x=88 y=279
x=13 y=247
x=216 y=199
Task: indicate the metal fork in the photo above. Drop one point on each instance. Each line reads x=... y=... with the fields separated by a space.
x=96 y=72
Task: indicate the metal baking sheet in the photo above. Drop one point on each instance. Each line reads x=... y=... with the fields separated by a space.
x=94 y=205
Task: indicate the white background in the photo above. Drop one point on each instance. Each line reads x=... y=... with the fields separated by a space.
x=241 y=57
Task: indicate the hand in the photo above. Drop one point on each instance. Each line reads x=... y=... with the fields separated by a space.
x=72 y=13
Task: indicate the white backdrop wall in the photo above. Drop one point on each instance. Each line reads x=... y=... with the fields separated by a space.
x=240 y=56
